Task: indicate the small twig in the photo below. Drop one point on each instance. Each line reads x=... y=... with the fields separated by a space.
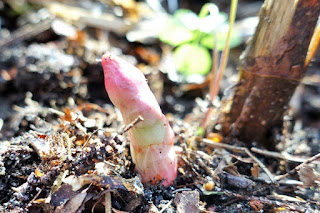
x=262 y=166
x=101 y=195
x=35 y=197
x=132 y=124
x=166 y=206
x=213 y=173
x=242 y=150
x=89 y=138
x=201 y=154
x=26 y=32
x=214 y=70
x=124 y=130
x=191 y=166
x=212 y=83
x=313 y=47
x=184 y=146
x=215 y=83
x=1 y=124
x=57 y=112
x=278 y=155
x=266 y=201
x=294 y=170
x=222 y=145
x=95 y=204
x=208 y=170
x=231 y=201
x=268 y=153
x=181 y=190
x=107 y=200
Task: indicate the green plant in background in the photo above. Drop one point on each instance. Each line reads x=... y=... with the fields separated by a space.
x=193 y=35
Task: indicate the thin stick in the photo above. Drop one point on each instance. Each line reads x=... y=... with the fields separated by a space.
x=184 y=146
x=313 y=47
x=26 y=32
x=214 y=87
x=214 y=72
x=107 y=201
x=1 y=124
x=57 y=112
x=278 y=155
x=212 y=82
x=166 y=206
x=225 y=53
x=35 y=197
x=262 y=166
x=124 y=130
x=243 y=150
x=294 y=170
x=130 y=125
x=208 y=169
x=100 y=196
x=94 y=132
x=95 y=204
x=266 y=201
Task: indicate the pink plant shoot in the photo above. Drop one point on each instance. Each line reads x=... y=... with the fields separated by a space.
x=151 y=140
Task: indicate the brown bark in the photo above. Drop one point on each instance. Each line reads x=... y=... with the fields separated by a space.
x=270 y=69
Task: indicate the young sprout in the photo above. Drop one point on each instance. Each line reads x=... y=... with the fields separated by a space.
x=151 y=140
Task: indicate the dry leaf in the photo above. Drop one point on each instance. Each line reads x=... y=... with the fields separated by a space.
x=38 y=173
x=62 y=195
x=232 y=169
x=256 y=205
x=107 y=182
x=255 y=170
x=74 y=204
x=187 y=201
x=308 y=176
x=286 y=198
x=242 y=159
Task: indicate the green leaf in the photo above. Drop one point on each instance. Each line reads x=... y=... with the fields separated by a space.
x=200 y=131
x=221 y=34
x=187 y=18
x=192 y=59
x=212 y=22
x=208 y=8
x=175 y=33
x=215 y=18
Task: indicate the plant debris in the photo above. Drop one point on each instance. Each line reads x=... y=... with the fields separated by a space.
x=64 y=147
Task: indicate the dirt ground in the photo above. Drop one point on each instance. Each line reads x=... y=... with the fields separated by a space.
x=63 y=147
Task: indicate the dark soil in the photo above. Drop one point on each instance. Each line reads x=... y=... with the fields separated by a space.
x=61 y=147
